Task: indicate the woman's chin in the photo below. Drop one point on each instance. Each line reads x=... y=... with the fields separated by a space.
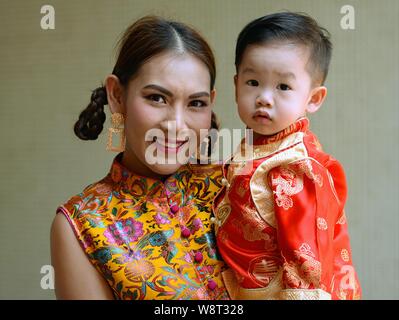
x=165 y=169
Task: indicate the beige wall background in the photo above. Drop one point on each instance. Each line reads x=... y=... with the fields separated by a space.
x=45 y=81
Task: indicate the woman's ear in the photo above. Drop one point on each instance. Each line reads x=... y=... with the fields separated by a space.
x=317 y=97
x=213 y=96
x=235 y=86
x=115 y=94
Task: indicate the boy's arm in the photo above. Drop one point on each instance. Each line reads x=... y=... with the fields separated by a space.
x=306 y=207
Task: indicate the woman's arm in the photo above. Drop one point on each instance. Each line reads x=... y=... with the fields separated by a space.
x=75 y=277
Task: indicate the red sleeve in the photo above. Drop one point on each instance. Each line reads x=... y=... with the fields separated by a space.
x=306 y=208
x=345 y=283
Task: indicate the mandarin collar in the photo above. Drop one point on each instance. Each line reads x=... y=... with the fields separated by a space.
x=146 y=186
x=266 y=145
x=301 y=125
x=141 y=185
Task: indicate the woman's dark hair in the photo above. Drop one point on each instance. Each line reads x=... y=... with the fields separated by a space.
x=298 y=28
x=143 y=40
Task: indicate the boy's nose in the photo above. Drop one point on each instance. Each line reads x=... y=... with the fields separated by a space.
x=264 y=99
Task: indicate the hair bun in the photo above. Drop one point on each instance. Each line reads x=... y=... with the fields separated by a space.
x=99 y=93
x=91 y=120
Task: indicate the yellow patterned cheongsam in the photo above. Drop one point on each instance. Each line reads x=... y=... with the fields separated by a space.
x=151 y=239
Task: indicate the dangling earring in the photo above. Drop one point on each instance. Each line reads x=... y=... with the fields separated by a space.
x=117 y=120
x=202 y=150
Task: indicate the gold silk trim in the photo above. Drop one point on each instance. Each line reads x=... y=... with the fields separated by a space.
x=304 y=294
x=236 y=292
x=274 y=291
x=261 y=192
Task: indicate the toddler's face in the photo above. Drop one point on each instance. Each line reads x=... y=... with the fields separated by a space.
x=273 y=87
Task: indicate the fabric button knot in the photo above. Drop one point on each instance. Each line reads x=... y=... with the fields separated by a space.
x=212 y=285
x=185 y=232
x=174 y=208
x=225 y=182
x=198 y=257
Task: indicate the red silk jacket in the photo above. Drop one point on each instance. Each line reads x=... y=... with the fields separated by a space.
x=280 y=221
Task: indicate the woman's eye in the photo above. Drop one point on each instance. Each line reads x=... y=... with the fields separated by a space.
x=252 y=83
x=156 y=98
x=197 y=104
x=283 y=87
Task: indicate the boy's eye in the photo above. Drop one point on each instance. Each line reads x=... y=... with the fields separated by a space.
x=252 y=83
x=197 y=103
x=283 y=87
x=156 y=98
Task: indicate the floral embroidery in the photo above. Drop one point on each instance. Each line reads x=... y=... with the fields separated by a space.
x=124 y=231
x=157 y=239
x=127 y=230
x=161 y=218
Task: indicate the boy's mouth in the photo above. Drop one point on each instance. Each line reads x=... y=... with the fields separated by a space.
x=262 y=116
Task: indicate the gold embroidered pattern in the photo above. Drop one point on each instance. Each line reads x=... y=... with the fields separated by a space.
x=287 y=184
x=264 y=150
x=342 y=219
x=252 y=232
x=345 y=255
x=306 y=167
x=236 y=292
x=321 y=223
x=222 y=212
x=242 y=188
x=330 y=179
x=263 y=270
x=260 y=190
x=305 y=271
x=317 y=145
x=304 y=294
x=139 y=270
x=305 y=248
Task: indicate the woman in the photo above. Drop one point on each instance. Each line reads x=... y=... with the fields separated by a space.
x=145 y=228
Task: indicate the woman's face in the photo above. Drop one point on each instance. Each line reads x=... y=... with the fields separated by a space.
x=167 y=99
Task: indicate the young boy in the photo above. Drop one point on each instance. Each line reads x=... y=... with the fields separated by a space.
x=281 y=224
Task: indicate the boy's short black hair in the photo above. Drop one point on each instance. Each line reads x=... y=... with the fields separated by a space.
x=298 y=28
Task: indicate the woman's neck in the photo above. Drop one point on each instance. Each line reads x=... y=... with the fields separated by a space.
x=133 y=164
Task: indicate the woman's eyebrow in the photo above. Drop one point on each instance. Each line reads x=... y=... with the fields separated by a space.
x=159 y=88
x=199 y=95
x=170 y=94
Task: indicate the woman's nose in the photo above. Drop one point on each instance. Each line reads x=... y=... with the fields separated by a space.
x=175 y=121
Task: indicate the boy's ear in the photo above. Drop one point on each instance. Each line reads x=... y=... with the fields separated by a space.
x=317 y=97
x=235 y=86
x=114 y=94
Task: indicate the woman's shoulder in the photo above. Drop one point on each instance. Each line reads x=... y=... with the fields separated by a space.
x=91 y=195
